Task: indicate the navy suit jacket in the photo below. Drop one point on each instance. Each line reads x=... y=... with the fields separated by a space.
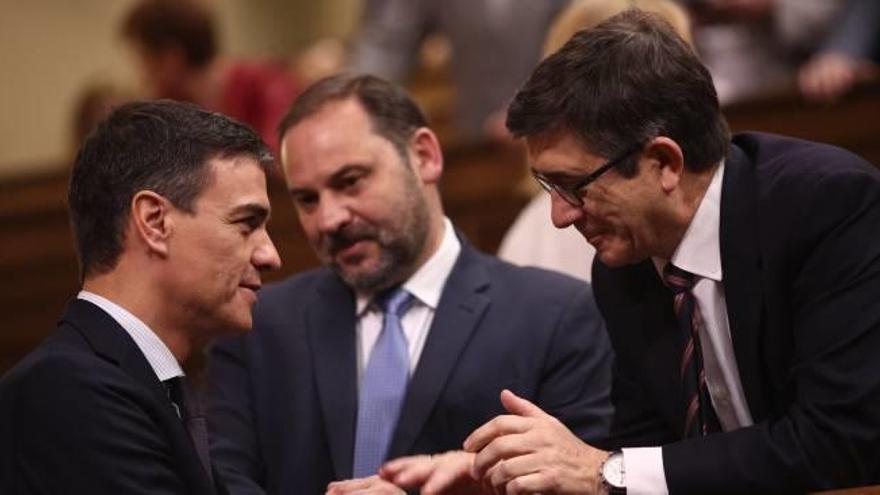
x=800 y=253
x=85 y=413
x=283 y=406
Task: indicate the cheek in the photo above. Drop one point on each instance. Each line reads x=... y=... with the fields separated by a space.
x=309 y=226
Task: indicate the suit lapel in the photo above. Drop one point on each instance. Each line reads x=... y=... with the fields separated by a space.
x=111 y=342
x=459 y=311
x=331 y=324
x=741 y=265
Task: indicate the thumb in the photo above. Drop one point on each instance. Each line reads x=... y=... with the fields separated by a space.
x=519 y=406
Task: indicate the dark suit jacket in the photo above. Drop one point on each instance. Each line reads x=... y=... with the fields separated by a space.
x=800 y=253
x=284 y=402
x=85 y=413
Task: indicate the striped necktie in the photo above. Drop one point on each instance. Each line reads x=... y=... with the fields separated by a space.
x=383 y=387
x=700 y=419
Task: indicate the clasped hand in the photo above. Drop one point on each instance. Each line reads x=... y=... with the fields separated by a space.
x=526 y=451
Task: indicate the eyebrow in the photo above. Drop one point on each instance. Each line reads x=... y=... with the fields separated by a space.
x=558 y=177
x=256 y=209
x=335 y=176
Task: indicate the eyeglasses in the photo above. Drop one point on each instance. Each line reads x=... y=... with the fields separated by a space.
x=573 y=194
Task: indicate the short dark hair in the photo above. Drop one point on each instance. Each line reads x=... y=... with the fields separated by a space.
x=161 y=146
x=162 y=24
x=620 y=84
x=393 y=113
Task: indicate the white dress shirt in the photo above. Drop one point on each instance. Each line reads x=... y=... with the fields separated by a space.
x=426 y=286
x=699 y=253
x=164 y=363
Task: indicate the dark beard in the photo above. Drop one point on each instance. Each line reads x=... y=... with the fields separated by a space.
x=398 y=252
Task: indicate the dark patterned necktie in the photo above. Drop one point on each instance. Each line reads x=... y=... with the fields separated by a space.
x=700 y=417
x=189 y=409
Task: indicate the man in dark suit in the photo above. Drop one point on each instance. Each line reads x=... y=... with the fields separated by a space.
x=309 y=398
x=739 y=282
x=168 y=205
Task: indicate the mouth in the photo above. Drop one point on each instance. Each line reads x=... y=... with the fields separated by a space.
x=350 y=252
x=251 y=287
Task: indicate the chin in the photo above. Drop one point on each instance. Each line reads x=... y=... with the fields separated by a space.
x=616 y=258
x=236 y=325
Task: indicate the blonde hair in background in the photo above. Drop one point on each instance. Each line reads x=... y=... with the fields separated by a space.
x=584 y=14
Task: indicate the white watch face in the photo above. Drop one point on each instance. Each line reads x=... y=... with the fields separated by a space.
x=613 y=472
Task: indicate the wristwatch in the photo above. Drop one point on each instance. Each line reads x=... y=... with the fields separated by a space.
x=613 y=474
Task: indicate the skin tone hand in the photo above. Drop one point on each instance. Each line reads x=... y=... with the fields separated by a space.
x=827 y=76
x=374 y=485
x=448 y=473
x=529 y=451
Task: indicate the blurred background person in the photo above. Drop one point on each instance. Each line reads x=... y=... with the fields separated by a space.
x=494 y=44
x=178 y=55
x=849 y=55
x=755 y=48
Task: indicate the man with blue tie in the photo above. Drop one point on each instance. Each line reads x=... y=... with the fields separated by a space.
x=168 y=205
x=402 y=342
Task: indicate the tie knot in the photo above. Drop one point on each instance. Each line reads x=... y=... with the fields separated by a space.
x=394 y=301
x=677 y=279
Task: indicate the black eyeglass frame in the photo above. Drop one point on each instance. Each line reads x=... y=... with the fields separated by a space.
x=572 y=194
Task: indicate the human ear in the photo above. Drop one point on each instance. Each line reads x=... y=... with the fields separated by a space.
x=669 y=159
x=426 y=156
x=151 y=222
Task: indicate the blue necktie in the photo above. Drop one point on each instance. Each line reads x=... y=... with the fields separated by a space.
x=383 y=388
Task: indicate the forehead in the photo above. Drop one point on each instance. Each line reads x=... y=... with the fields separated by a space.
x=234 y=181
x=559 y=153
x=338 y=133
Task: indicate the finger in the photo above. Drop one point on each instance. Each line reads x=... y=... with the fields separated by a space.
x=509 y=469
x=530 y=483
x=519 y=406
x=505 y=447
x=453 y=470
x=409 y=466
x=413 y=474
x=499 y=426
x=348 y=486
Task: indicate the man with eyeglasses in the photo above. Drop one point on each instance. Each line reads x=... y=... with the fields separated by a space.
x=739 y=279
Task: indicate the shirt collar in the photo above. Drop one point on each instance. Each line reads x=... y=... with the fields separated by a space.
x=161 y=359
x=699 y=251
x=426 y=284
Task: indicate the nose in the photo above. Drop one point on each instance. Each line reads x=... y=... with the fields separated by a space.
x=265 y=256
x=563 y=213
x=332 y=214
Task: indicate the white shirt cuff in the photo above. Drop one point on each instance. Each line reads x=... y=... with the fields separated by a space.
x=643 y=470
